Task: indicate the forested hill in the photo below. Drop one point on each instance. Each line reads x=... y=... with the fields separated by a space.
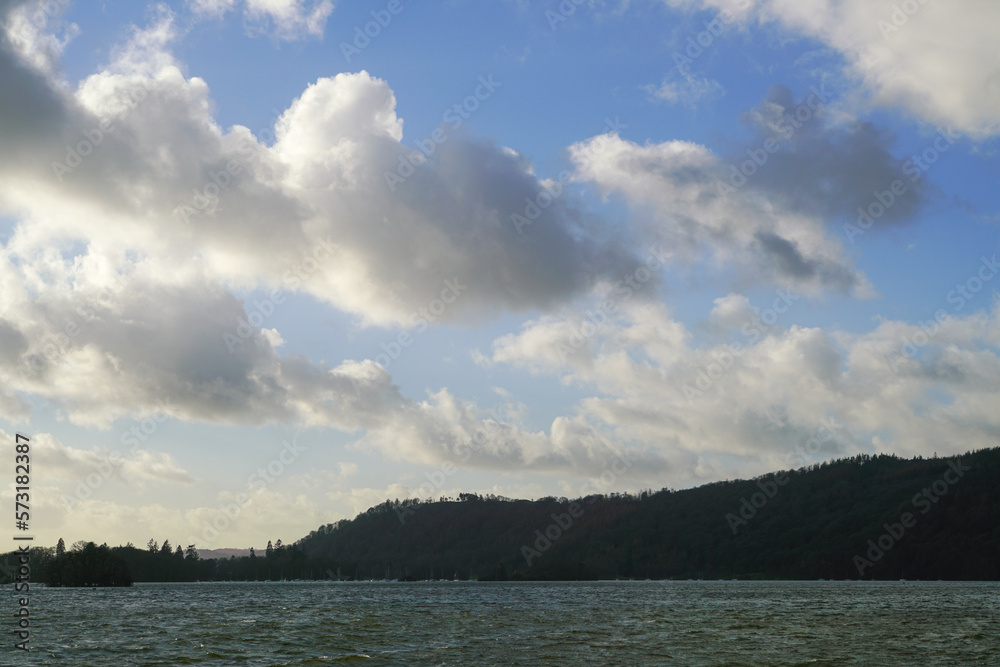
x=878 y=517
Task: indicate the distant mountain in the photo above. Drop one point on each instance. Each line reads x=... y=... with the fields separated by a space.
x=866 y=517
x=224 y=553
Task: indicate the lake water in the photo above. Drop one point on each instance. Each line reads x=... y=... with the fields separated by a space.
x=452 y=623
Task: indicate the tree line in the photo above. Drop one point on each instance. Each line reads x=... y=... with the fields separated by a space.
x=863 y=517
x=841 y=519
x=87 y=564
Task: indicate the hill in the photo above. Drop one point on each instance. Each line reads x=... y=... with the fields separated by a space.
x=865 y=517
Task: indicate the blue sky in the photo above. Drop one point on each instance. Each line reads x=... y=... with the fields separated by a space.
x=547 y=364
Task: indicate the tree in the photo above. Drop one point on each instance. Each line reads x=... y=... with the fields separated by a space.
x=191 y=553
x=60 y=547
x=179 y=553
x=91 y=565
x=151 y=546
x=269 y=552
x=166 y=549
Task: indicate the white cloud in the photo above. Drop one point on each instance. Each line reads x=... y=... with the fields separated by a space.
x=685 y=190
x=58 y=461
x=903 y=54
x=117 y=298
x=116 y=290
x=150 y=188
x=714 y=412
x=689 y=91
x=286 y=19
x=730 y=312
x=35 y=30
x=447 y=429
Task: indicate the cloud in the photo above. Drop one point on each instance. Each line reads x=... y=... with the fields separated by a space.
x=751 y=402
x=58 y=461
x=163 y=181
x=825 y=169
x=903 y=55
x=730 y=312
x=138 y=216
x=683 y=200
x=175 y=212
x=689 y=91
x=762 y=204
x=36 y=31
x=267 y=513
x=446 y=429
x=286 y=19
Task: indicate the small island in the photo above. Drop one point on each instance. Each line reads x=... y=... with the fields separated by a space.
x=89 y=566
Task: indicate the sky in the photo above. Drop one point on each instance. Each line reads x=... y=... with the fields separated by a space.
x=267 y=263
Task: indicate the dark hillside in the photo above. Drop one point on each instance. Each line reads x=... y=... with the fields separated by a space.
x=866 y=517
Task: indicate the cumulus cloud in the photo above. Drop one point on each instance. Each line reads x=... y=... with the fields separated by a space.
x=138 y=215
x=764 y=203
x=902 y=54
x=753 y=401
x=166 y=181
x=693 y=207
x=444 y=428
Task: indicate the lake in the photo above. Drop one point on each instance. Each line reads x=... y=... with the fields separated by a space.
x=478 y=623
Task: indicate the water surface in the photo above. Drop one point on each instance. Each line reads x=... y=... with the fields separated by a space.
x=472 y=623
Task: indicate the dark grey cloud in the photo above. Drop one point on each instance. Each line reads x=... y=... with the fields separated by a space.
x=821 y=168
